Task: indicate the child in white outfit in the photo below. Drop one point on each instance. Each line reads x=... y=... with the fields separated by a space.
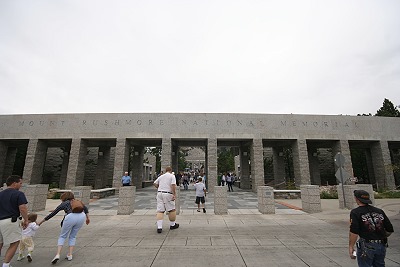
x=27 y=238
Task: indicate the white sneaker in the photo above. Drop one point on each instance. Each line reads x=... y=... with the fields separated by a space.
x=69 y=257
x=56 y=258
x=20 y=257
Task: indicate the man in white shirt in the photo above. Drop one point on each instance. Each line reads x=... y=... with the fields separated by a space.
x=200 y=194
x=166 y=194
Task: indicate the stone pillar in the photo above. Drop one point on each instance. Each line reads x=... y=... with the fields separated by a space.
x=77 y=163
x=212 y=164
x=10 y=161
x=370 y=168
x=102 y=168
x=279 y=166
x=178 y=200
x=146 y=172
x=315 y=174
x=174 y=158
x=166 y=151
x=3 y=158
x=349 y=195
x=121 y=161
x=257 y=164
x=266 y=199
x=382 y=165
x=244 y=168
x=126 y=200
x=343 y=147
x=310 y=198
x=220 y=200
x=300 y=163
x=34 y=162
x=82 y=193
x=64 y=170
x=137 y=166
x=36 y=196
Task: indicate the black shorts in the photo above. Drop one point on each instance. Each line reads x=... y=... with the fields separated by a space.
x=200 y=199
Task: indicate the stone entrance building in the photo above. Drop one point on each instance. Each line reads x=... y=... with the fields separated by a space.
x=120 y=139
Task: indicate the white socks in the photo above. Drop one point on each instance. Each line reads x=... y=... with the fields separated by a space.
x=171 y=223
x=159 y=224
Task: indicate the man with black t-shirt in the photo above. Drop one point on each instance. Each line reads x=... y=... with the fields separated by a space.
x=372 y=226
x=12 y=208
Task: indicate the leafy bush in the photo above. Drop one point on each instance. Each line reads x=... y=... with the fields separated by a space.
x=53 y=185
x=388 y=194
x=291 y=185
x=329 y=195
x=57 y=195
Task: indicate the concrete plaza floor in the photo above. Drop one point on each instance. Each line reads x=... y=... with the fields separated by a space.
x=244 y=237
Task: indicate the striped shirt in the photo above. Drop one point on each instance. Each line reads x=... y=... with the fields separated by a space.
x=66 y=207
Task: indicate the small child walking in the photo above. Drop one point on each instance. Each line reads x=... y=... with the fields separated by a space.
x=27 y=237
x=200 y=194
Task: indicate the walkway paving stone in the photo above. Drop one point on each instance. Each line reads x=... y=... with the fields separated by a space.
x=246 y=239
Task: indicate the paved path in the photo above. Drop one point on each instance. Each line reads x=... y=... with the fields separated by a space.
x=239 y=202
x=245 y=239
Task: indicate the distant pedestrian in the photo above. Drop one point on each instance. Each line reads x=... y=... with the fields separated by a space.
x=229 y=182
x=166 y=195
x=27 y=238
x=223 y=179
x=71 y=224
x=372 y=226
x=178 y=178
x=126 y=179
x=233 y=178
x=185 y=182
x=201 y=193
x=12 y=207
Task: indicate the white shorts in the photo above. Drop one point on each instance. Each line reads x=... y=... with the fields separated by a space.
x=165 y=202
x=10 y=232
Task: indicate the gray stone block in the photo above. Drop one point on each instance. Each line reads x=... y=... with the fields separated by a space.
x=124 y=210
x=313 y=208
x=220 y=192
x=266 y=201
x=177 y=200
x=126 y=200
x=221 y=201
x=310 y=198
x=36 y=198
x=267 y=209
x=313 y=199
x=220 y=209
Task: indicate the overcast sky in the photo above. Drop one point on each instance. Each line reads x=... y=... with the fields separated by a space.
x=279 y=57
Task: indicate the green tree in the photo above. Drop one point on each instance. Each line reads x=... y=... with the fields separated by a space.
x=226 y=162
x=156 y=151
x=182 y=163
x=360 y=165
x=289 y=169
x=388 y=110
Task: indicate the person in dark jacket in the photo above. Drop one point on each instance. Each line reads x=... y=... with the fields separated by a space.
x=371 y=227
